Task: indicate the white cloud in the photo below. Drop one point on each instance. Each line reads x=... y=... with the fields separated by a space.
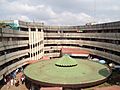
x=60 y=12
x=3 y=1
x=22 y=8
x=45 y=13
x=68 y=18
x=16 y=7
x=34 y=11
x=114 y=8
x=24 y=18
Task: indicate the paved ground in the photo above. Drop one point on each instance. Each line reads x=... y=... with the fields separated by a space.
x=19 y=87
x=114 y=87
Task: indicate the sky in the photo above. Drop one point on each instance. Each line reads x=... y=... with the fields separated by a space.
x=61 y=12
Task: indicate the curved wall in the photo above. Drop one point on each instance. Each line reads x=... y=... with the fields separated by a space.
x=13 y=50
x=101 y=39
x=17 y=47
x=34 y=40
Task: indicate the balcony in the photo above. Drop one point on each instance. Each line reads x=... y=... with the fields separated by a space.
x=109 y=56
x=12 y=67
x=11 y=56
x=13 y=33
x=12 y=44
x=109 y=46
x=114 y=36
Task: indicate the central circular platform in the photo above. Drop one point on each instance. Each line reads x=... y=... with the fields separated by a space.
x=67 y=72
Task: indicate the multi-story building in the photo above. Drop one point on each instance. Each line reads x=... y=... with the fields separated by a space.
x=19 y=46
x=32 y=41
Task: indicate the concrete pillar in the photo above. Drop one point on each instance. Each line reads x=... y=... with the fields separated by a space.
x=30 y=49
x=39 y=47
x=42 y=45
x=36 y=43
x=32 y=42
x=34 y=50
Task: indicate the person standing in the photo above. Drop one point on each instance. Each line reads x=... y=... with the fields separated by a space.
x=4 y=79
x=22 y=79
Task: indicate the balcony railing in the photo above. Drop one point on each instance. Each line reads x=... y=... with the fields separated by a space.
x=114 y=36
x=11 y=56
x=12 y=44
x=104 y=45
x=13 y=33
x=12 y=67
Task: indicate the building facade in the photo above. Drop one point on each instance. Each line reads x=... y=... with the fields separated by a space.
x=33 y=40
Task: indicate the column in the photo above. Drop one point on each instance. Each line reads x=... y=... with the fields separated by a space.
x=42 y=45
x=39 y=39
x=30 y=42
x=36 y=43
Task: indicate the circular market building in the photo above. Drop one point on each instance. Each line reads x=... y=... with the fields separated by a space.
x=66 y=72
